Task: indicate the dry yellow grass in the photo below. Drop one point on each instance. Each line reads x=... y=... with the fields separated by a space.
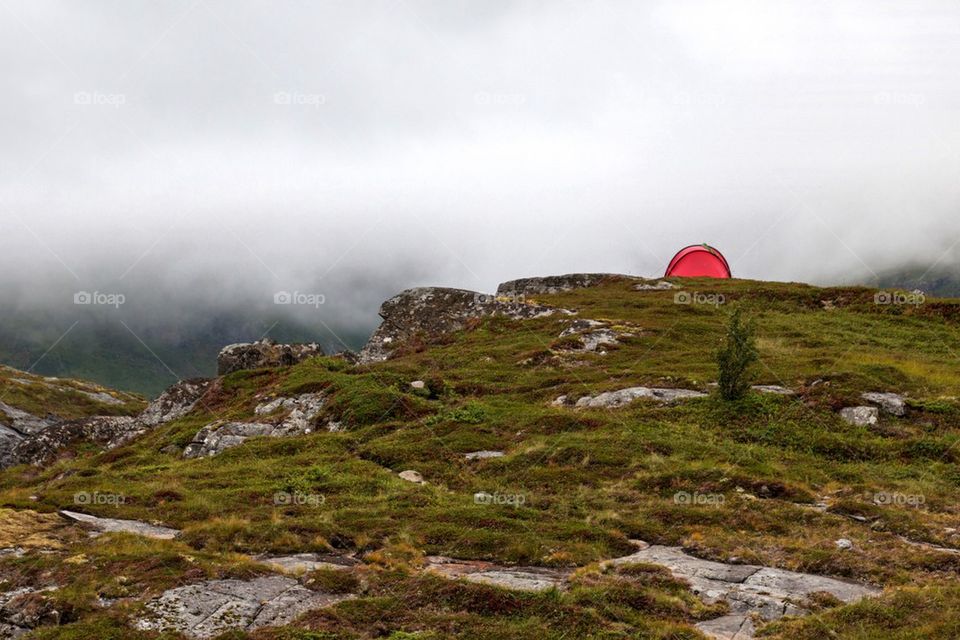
x=30 y=529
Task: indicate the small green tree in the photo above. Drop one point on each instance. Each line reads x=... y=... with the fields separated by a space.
x=736 y=357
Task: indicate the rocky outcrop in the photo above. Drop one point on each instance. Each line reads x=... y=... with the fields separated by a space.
x=556 y=284
x=432 y=311
x=208 y=609
x=748 y=589
x=289 y=417
x=615 y=399
x=23 y=610
x=42 y=445
x=263 y=353
x=591 y=335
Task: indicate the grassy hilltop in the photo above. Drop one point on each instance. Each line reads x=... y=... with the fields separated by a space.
x=580 y=483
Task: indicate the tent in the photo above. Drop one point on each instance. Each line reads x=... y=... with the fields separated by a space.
x=698 y=261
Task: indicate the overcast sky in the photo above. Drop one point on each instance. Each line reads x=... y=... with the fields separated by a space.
x=216 y=150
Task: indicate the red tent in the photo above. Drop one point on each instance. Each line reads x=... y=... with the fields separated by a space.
x=698 y=261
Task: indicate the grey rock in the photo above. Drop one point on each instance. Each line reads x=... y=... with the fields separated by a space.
x=41 y=443
x=614 y=399
x=300 y=412
x=593 y=334
x=412 y=476
x=517 y=578
x=556 y=284
x=774 y=389
x=176 y=402
x=731 y=627
x=662 y=285
x=23 y=610
x=305 y=562
x=433 y=311
x=23 y=422
x=891 y=403
x=102 y=397
x=418 y=384
x=483 y=455
x=747 y=589
x=843 y=543
x=105 y=525
x=210 y=608
x=262 y=354
x=860 y=416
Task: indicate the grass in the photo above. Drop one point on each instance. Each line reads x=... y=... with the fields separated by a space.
x=590 y=480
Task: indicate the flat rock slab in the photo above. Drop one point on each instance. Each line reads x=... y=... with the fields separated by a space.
x=109 y=525
x=747 y=589
x=483 y=455
x=615 y=399
x=774 y=389
x=305 y=562
x=517 y=578
x=207 y=609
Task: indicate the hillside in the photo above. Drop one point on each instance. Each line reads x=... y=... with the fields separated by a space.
x=559 y=449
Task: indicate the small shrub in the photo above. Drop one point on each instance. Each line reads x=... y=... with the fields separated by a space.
x=736 y=358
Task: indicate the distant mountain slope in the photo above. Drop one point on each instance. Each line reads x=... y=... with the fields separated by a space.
x=942 y=281
x=142 y=359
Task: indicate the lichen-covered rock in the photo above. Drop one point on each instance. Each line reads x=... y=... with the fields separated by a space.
x=432 y=311
x=175 y=402
x=555 y=284
x=860 y=416
x=892 y=403
x=263 y=353
x=208 y=609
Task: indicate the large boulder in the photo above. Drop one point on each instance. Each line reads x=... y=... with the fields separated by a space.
x=431 y=311
x=263 y=353
x=556 y=284
x=41 y=446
